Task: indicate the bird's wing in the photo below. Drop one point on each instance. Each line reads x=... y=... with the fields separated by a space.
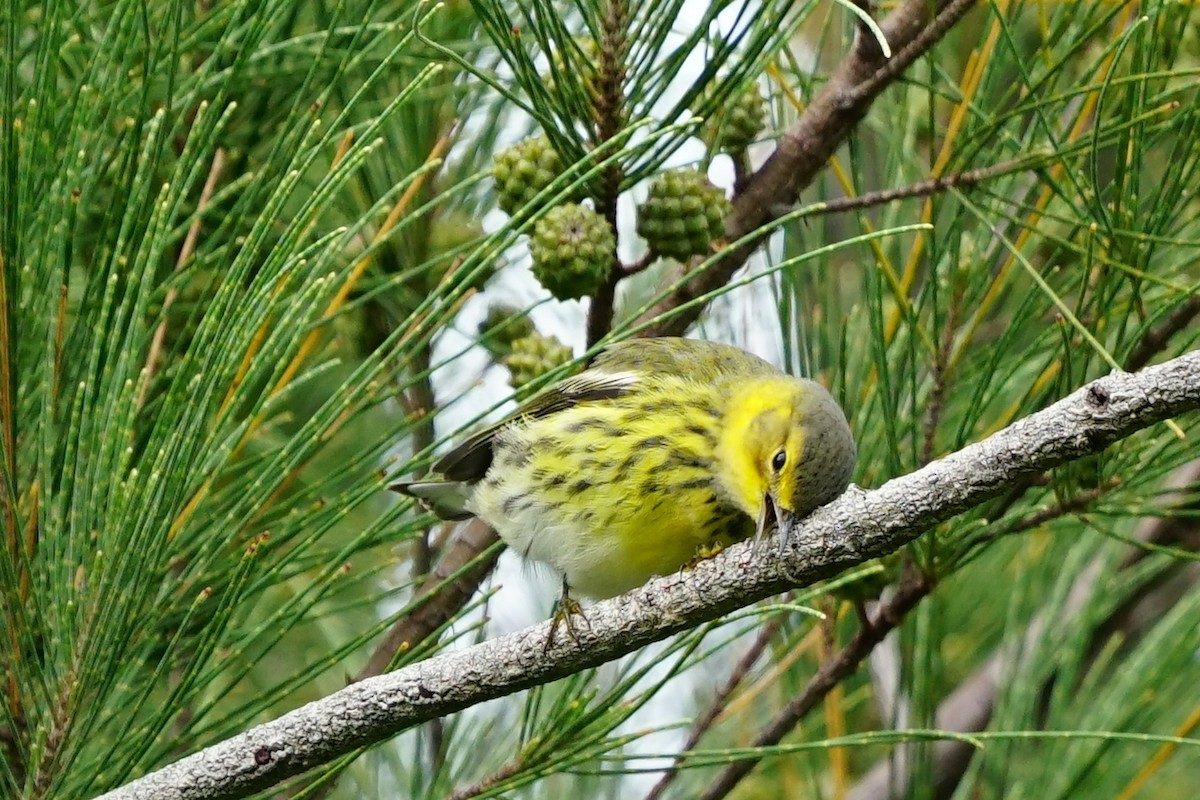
x=613 y=372
x=469 y=461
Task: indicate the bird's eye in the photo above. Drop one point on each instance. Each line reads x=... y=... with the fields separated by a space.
x=779 y=460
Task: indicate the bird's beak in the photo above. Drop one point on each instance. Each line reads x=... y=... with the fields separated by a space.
x=766 y=518
x=770 y=514
x=786 y=521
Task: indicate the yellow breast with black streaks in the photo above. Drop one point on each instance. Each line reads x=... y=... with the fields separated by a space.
x=611 y=494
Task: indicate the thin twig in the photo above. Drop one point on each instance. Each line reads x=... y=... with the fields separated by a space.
x=638 y=266
x=421 y=402
x=887 y=616
x=509 y=769
x=933 y=411
x=448 y=588
x=1155 y=339
x=610 y=118
x=185 y=254
x=948 y=15
x=955 y=180
x=704 y=722
x=1036 y=519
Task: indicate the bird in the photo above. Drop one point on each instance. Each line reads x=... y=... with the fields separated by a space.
x=663 y=451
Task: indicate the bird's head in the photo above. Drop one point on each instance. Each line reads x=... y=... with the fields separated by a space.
x=785 y=449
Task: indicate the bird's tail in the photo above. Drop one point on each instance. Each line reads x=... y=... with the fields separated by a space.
x=446 y=499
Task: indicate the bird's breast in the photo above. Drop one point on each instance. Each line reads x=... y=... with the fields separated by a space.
x=610 y=495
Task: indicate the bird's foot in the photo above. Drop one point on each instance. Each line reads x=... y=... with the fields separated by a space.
x=566 y=611
x=703 y=553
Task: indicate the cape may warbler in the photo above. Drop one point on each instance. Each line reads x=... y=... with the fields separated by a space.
x=662 y=450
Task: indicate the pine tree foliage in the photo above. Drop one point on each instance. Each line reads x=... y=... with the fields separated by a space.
x=246 y=248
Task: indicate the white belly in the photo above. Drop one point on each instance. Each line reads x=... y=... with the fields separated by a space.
x=587 y=558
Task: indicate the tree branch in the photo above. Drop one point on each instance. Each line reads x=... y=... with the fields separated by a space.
x=805 y=148
x=856 y=527
x=886 y=618
x=610 y=117
x=448 y=588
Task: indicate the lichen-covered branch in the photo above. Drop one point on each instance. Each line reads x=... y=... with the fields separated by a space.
x=859 y=526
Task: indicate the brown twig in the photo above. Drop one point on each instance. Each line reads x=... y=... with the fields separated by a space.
x=509 y=769
x=804 y=149
x=720 y=700
x=185 y=253
x=56 y=745
x=937 y=394
x=956 y=180
x=1035 y=519
x=610 y=117
x=886 y=617
x=448 y=588
x=1155 y=339
x=421 y=401
x=638 y=266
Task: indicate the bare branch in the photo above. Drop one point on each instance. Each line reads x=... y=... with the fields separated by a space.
x=448 y=589
x=856 y=527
